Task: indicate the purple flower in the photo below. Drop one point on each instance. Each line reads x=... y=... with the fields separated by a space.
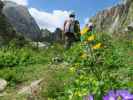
x=118 y=95
x=111 y=96
x=90 y=97
x=124 y=94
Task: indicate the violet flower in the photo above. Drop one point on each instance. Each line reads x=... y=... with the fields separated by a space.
x=124 y=94
x=118 y=95
x=90 y=97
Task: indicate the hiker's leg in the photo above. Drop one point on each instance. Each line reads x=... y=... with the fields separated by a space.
x=73 y=40
x=69 y=40
x=67 y=43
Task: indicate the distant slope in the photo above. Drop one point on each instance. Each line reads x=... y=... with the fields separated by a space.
x=7 y=32
x=22 y=21
x=115 y=19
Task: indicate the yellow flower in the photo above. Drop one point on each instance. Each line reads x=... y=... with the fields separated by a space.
x=76 y=65
x=84 y=30
x=97 y=46
x=72 y=69
x=84 y=55
x=84 y=91
x=78 y=93
x=91 y=38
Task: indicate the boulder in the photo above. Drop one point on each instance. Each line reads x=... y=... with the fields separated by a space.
x=3 y=85
x=32 y=89
x=130 y=27
x=40 y=44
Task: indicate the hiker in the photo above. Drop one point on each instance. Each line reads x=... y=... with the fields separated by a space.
x=71 y=30
x=90 y=26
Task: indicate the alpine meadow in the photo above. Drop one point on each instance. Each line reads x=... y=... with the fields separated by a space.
x=66 y=50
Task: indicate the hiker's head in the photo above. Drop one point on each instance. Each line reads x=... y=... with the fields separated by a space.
x=90 y=25
x=72 y=15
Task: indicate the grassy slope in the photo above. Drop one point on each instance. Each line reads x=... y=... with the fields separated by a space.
x=56 y=74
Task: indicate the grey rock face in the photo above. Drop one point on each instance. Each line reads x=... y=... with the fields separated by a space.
x=7 y=32
x=21 y=19
x=55 y=36
x=114 y=19
x=1 y=5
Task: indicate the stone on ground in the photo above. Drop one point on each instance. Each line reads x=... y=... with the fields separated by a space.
x=3 y=85
x=32 y=89
x=130 y=27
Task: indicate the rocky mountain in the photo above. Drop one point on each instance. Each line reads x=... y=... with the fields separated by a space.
x=22 y=21
x=115 y=19
x=45 y=33
x=7 y=32
x=55 y=36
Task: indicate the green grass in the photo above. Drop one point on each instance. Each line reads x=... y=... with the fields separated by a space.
x=113 y=66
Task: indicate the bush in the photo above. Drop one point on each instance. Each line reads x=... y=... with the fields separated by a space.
x=13 y=76
x=12 y=56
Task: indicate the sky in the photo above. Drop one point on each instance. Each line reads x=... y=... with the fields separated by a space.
x=52 y=13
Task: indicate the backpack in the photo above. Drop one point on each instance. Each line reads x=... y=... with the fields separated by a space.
x=69 y=26
x=72 y=26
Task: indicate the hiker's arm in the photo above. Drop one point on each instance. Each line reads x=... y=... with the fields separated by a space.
x=78 y=25
x=64 y=26
x=77 y=30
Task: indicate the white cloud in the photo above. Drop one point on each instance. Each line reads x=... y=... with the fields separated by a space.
x=49 y=20
x=20 y=2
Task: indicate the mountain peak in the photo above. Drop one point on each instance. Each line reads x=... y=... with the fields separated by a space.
x=22 y=21
x=115 y=19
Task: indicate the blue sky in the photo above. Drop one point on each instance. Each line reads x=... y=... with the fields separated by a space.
x=52 y=13
x=82 y=8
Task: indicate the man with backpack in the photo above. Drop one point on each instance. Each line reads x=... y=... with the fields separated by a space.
x=71 y=30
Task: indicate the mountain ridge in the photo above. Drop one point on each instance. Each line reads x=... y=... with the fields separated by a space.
x=22 y=20
x=115 y=19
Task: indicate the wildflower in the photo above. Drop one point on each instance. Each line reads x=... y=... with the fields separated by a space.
x=76 y=64
x=118 y=95
x=111 y=96
x=124 y=94
x=72 y=69
x=84 y=55
x=78 y=93
x=97 y=46
x=85 y=30
x=81 y=94
x=90 y=97
x=91 y=38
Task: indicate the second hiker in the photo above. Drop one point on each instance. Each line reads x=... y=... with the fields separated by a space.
x=71 y=30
